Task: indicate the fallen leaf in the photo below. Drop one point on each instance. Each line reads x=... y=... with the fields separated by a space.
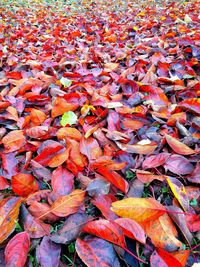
x=108 y=230
x=139 y=209
x=70 y=229
x=178 y=165
x=90 y=148
x=132 y=229
x=137 y=148
x=178 y=147
x=66 y=82
x=16 y=251
x=24 y=184
x=33 y=226
x=179 y=218
x=96 y=252
x=167 y=237
x=13 y=141
x=68 y=118
x=62 y=181
x=163 y=258
x=48 y=253
x=69 y=204
x=114 y=178
x=9 y=211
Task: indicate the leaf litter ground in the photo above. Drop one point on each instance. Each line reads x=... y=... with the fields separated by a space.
x=100 y=128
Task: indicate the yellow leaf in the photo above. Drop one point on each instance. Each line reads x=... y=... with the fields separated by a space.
x=138 y=209
x=141 y=14
x=179 y=192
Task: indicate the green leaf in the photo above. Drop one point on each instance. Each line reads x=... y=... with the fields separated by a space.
x=129 y=175
x=194 y=202
x=68 y=118
x=65 y=82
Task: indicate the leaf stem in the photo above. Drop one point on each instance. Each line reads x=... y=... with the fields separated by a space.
x=136 y=257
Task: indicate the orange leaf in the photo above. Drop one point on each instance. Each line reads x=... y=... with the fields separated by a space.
x=24 y=184
x=13 y=141
x=137 y=148
x=61 y=106
x=139 y=209
x=37 y=116
x=181 y=256
x=192 y=105
x=66 y=205
x=178 y=147
x=148 y=177
x=68 y=132
x=59 y=159
x=9 y=211
x=163 y=233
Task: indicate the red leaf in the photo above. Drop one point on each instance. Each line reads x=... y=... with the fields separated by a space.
x=107 y=230
x=132 y=229
x=16 y=251
x=38 y=210
x=48 y=153
x=33 y=226
x=163 y=258
x=155 y=160
x=103 y=203
x=114 y=178
x=192 y=105
x=24 y=184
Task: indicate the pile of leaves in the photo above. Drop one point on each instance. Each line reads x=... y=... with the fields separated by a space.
x=99 y=136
